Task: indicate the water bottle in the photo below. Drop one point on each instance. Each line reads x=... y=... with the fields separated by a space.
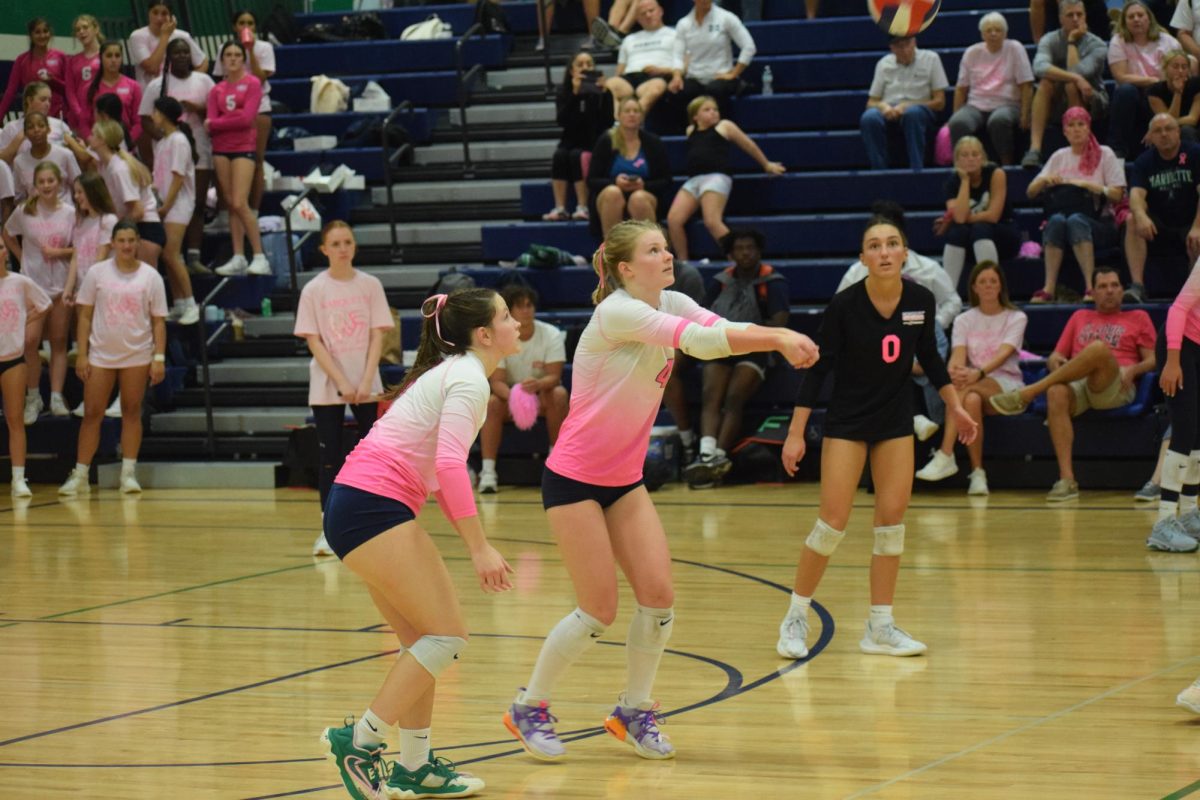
x=768 y=82
x=266 y=306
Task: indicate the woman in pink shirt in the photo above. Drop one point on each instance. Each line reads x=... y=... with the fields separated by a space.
x=341 y=316
x=92 y=240
x=261 y=65
x=110 y=80
x=45 y=224
x=121 y=341
x=983 y=362
x=36 y=97
x=82 y=67
x=419 y=446
x=232 y=110
x=175 y=182
x=1135 y=58
x=596 y=504
x=39 y=63
x=22 y=303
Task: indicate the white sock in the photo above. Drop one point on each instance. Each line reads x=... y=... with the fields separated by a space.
x=193 y=255
x=489 y=465
x=82 y=469
x=58 y=396
x=128 y=466
x=881 y=615
x=414 y=748
x=177 y=305
x=799 y=606
x=953 y=259
x=369 y=730
x=708 y=445
x=720 y=453
x=687 y=438
x=18 y=474
x=985 y=250
x=1187 y=503
x=649 y=631
x=568 y=640
x=1167 y=509
x=1174 y=469
x=31 y=393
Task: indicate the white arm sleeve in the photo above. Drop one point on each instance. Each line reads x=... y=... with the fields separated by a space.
x=706 y=343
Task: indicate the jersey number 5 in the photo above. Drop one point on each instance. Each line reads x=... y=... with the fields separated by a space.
x=665 y=374
x=891 y=348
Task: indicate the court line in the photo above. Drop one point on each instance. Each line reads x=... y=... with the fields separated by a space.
x=1191 y=788
x=1022 y=729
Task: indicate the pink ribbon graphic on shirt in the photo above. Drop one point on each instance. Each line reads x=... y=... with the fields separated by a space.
x=439 y=301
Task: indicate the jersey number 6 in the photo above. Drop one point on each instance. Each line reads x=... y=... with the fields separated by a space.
x=891 y=348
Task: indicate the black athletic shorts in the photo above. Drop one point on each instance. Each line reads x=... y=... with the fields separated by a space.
x=353 y=516
x=560 y=491
x=152 y=232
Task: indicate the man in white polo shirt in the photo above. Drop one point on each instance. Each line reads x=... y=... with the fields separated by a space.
x=909 y=91
x=646 y=59
x=704 y=42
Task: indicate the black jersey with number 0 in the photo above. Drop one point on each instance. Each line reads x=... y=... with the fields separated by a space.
x=871 y=358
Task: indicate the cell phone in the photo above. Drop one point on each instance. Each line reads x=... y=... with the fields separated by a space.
x=593 y=75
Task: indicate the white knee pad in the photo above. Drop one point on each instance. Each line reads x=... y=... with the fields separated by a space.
x=823 y=539
x=650 y=628
x=889 y=540
x=435 y=653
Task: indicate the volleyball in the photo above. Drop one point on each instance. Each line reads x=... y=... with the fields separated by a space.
x=903 y=17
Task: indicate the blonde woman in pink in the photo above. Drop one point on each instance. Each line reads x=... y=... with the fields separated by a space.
x=131 y=187
x=592 y=490
x=39 y=235
x=82 y=67
x=22 y=302
x=121 y=341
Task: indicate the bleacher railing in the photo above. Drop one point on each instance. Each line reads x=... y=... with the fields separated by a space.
x=390 y=162
x=465 y=80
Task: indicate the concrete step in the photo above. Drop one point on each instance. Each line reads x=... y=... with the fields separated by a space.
x=424 y=233
x=505 y=113
x=487 y=152
x=525 y=77
x=282 y=324
x=245 y=420
x=194 y=475
x=498 y=189
x=241 y=371
x=408 y=276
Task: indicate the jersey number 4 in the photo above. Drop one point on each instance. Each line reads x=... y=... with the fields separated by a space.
x=664 y=375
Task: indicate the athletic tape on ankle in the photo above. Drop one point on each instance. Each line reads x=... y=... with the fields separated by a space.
x=435 y=653
x=650 y=628
x=889 y=540
x=823 y=539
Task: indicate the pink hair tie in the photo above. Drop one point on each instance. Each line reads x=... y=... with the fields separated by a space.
x=439 y=302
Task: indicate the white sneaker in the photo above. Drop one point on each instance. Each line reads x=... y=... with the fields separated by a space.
x=175 y=312
x=78 y=410
x=259 y=265
x=978 y=480
x=190 y=315
x=130 y=485
x=220 y=223
x=941 y=466
x=488 y=483
x=33 y=408
x=321 y=547
x=888 y=640
x=924 y=427
x=234 y=266
x=20 y=488
x=58 y=408
x=76 y=483
x=793 y=637
x=114 y=410
x=1189 y=698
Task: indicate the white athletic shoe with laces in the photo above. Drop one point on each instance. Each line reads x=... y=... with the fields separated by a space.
x=114 y=410
x=259 y=265
x=76 y=483
x=488 y=483
x=889 y=640
x=793 y=636
x=58 y=407
x=941 y=466
x=978 y=485
x=924 y=427
x=234 y=266
x=33 y=408
x=129 y=484
x=321 y=547
x=1189 y=698
x=20 y=488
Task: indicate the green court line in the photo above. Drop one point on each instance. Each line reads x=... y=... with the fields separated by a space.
x=1191 y=788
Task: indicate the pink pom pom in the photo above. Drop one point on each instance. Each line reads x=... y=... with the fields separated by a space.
x=943 y=153
x=1030 y=249
x=523 y=406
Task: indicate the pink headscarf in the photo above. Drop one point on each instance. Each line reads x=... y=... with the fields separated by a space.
x=1091 y=149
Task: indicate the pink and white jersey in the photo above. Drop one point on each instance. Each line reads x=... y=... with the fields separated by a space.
x=128 y=92
x=142 y=43
x=173 y=156
x=124 y=189
x=622 y=363
x=420 y=445
x=7 y=187
x=12 y=130
x=232 y=111
x=343 y=313
x=264 y=54
x=46 y=228
x=25 y=163
x=18 y=297
x=1183 y=319
x=984 y=334
x=81 y=69
x=49 y=68
x=193 y=89
x=123 y=307
x=91 y=233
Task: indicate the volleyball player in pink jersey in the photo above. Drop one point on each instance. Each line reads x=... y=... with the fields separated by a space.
x=597 y=506
x=40 y=62
x=110 y=80
x=419 y=446
x=21 y=302
x=83 y=66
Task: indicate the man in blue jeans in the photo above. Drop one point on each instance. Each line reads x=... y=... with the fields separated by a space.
x=908 y=90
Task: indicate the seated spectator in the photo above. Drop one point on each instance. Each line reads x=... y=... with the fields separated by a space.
x=148 y=45
x=584 y=110
x=1135 y=57
x=995 y=89
x=41 y=63
x=703 y=54
x=630 y=173
x=978 y=214
x=539 y=370
x=36 y=97
x=1186 y=23
x=709 y=182
x=1177 y=94
x=1069 y=68
x=1095 y=364
x=749 y=291
x=591 y=11
x=983 y=361
x=110 y=80
x=909 y=91
x=1165 y=214
x=622 y=16
x=927 y=273
x=646 y=60
x=1044 y=16
x=1077 y=180
x=689 y=281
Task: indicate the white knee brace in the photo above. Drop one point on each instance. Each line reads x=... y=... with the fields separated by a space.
x=435 y=653
x=823 y=539
x=889 y=540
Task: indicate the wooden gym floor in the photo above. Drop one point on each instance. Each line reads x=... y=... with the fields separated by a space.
x=183 y=644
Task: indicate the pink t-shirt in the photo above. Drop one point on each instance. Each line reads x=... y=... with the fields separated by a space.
x=992 y=79
x=343 y=313
x=1183 y=319
x=984 y=334
x=124 y=189
x=45 y=228
x=1125 y=332
x=27 y=68
x=142 y=43
x=621 y=365
x=1065 y=163
x=124 y=304
x=91 y=233
x=1144 y=61
x=264 y=53
x=194 y=89
x=128 y=92
x=81 y=69
x=173 y=156
x=25 y=163
x=19 y=296
x=232 y=110
x=420 y=445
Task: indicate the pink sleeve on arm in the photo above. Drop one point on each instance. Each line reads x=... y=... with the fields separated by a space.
x=1181 y=309
x=462 y=411
x=240 y=118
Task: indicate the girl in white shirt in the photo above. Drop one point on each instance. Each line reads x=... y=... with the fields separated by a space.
x=175 y=182
x=21 y=302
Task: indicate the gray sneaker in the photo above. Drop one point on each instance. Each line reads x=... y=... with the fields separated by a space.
x=706 y=471
x=1032 y=159
x=1190 y=522
x=1169 y=536
x=1062 y=490
x=1008 y=403
x=1149 y=493
x=1135 y=294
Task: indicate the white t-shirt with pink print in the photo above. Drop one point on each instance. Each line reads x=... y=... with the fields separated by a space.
x=984 y=334
x=44 y=228
x=91 y=233
x=343 y=313
x=124 y=188
x=173 y=156
x=993 y=80
x=123 y=307
x=18 y=297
